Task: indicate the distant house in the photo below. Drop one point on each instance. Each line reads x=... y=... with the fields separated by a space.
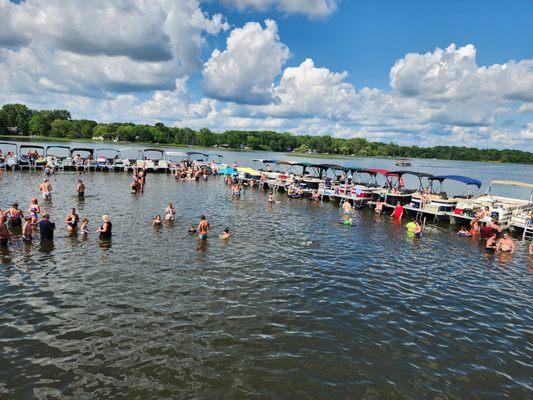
x=12 y=130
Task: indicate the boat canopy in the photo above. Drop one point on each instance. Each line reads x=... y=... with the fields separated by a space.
x=220 y=156
x=285 y=162
x=374 y=171
x=31 y=146
x=227 y=171
x=512 y=183
x=265 y=161
x=197 y=153
x=418 y=174
x=249 y=171
x=56 y=146
x=459 y=178
x=86 y=149
x=176 y=153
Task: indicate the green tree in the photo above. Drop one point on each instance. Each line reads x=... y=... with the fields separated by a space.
x=17 y=115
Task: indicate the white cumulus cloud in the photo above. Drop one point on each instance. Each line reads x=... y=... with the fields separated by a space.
x=245 y=71
x=90 y=47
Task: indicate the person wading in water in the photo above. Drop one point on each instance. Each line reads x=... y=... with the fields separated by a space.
x=203 y=226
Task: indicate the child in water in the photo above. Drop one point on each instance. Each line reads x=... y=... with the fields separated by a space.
x=192 y=229
x=84 y=228
x=26 y=229
x=157 y=221
x=225 y=234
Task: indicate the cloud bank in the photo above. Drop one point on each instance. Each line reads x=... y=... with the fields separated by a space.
x=133 y=61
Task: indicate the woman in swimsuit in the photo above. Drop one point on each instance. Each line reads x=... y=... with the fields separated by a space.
x=157 y=222
x=34 y=209
x=490 y=246
x=170 y=212
x=15 y=216
x=346 y=208
x=105 y=228
x=72 y=221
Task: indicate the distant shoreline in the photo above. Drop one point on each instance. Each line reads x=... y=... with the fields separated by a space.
x=18 y=138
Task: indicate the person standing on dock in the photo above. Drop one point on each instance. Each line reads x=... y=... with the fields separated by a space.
x=80 y=189
x=46 y=189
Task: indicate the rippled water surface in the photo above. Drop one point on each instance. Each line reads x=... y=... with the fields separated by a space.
x=294 y=305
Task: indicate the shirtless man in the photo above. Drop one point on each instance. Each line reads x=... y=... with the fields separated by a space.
x=80 y=188
x=531 y=249
x=506 y=244
x=46 y=189
x=203 y=226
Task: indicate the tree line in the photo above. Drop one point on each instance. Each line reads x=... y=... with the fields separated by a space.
x=59 y=124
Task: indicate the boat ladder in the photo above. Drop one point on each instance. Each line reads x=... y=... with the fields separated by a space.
x=528 y=230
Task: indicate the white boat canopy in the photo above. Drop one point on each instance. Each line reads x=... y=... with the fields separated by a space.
x=513 y=183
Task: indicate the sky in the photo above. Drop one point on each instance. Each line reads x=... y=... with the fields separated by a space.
x=410 y=72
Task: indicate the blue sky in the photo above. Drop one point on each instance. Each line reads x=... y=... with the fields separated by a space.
x=425 y=72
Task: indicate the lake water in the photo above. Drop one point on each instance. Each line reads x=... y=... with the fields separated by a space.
x=293 y=306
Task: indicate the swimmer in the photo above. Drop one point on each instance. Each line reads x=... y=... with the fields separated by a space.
x=418 y=229
x=379 y=206
x=105 y=229
x=157 y=222
x=4 y=235
x=46 y=189
x=347 y=220
x=347 y=207
x=505 y=245
x=531 y=249
x=72 y=221
x=80 y=189
x=203 y=226
x=225 y=234
x=27 y=229
x=315 y=196
x=271 y=198
x=490 y=245
x=84 y=228
x=192 y=229
x=170 y=212
x=411 y=226
x=34 y=210
x=398 y=211
x=15 y=216
x=464 y=232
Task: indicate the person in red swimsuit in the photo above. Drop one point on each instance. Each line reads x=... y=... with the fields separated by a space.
x=398 y=211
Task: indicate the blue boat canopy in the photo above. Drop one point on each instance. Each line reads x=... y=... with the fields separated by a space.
x=465 y=179
x=227 y=171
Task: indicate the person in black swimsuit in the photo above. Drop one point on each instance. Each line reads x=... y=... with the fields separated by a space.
x=105 y=229
x=72 y=221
